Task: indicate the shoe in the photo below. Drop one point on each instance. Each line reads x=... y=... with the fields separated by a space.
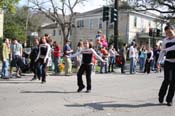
x=160 y=100
x=5 y=77
x=18 y=76
x=169 y=103
x=68 y=74
x=37 y=77
x=88 y=91
x=11 y=76
x=42 y=82
x=80 y=89
x=34 y=78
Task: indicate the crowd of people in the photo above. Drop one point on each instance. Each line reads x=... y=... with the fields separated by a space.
x=46 y=53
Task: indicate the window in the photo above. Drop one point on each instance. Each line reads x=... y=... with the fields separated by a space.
x=135 y=21
x=80 y=23
x=54 y=32
x=100 y=24
x=60 y=32
x=91 y=23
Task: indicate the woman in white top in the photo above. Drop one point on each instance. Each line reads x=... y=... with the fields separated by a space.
x=42 y=59
x=86 y=65
x=168 y=49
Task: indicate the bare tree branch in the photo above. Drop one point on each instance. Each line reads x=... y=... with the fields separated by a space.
x=57 y=12
x=161 y=6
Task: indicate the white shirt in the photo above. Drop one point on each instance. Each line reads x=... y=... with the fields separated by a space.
x=132 y=52
x=164 y=50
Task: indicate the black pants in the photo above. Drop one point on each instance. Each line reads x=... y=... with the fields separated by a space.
x=147 y=66
x=88 y=69
x=33 y=66
x=123 y=65
x=169 y=81
x=41 y=69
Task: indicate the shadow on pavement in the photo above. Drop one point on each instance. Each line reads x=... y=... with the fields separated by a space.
x=17 y=82
x=64 y=92
x=101 y=106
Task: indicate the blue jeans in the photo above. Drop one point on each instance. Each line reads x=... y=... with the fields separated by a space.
x=111 y=63
x=5 y=67
x=56 y=60
x=104 y=67
x=142 y=63
x=132 y=65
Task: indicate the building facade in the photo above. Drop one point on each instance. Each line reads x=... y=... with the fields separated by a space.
x=131 y=25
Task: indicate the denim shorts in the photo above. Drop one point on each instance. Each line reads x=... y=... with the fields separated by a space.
x=14 y=61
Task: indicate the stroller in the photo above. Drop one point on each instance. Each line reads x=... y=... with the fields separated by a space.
x=118 y=60
x=23 y=62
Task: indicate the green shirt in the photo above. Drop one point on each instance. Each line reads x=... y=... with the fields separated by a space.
x=5 y=51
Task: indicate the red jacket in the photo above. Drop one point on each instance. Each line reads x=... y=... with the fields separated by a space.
x=56 y=51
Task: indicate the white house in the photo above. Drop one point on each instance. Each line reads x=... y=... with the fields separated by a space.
x=131 y=25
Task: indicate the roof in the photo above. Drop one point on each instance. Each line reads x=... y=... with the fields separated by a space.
x=49 y=25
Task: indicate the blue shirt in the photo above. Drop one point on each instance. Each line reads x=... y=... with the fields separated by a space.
x=66 y=48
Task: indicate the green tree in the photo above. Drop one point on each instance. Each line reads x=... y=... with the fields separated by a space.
x=14 y=24
x=8 y=5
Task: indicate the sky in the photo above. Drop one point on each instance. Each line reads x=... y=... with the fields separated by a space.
x=89 y=5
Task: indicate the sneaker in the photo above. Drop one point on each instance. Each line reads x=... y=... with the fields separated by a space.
x=37 y=77
x=88 y=91
x=18 y=76
x=42 y=82
x=80 y=89
x=169 y=103
x=160 y=100
x=11 y=76
x=34 y=78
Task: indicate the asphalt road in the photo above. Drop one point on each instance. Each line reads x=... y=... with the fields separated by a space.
x=112 y=95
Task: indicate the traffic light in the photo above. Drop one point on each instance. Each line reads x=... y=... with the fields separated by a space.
x=150 y=32
x=105 y=13
x=113 y=15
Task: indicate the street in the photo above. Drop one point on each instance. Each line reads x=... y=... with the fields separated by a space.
x=112 y=95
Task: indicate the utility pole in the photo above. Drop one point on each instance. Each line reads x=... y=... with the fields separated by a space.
x=116 y=6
